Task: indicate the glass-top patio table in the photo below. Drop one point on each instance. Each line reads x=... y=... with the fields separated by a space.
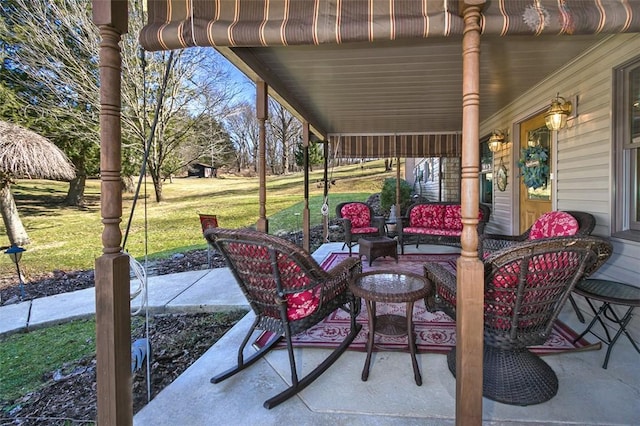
x=391 y=287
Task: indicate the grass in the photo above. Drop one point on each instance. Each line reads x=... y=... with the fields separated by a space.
x=69 y=238
x=26 y=358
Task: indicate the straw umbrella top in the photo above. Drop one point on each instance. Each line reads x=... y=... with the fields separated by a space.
x=25 y=154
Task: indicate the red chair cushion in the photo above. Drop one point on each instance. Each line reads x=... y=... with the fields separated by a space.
x=358 y=214
x=300 y=305
x=554 y=224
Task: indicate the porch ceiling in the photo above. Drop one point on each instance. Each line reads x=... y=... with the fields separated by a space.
x=402 y=86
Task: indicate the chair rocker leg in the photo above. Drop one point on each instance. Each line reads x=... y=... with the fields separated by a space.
x=242 y=362
x=309 y=378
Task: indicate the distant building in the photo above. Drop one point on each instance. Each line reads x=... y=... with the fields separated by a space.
x=201 y=170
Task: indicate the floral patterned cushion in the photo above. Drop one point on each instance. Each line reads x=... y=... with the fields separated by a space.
x=436 y=219
x=365 y=230
x=453 y=217
x=554 y=224
x=357 y=213
x=303 y=304
x=427 y=216
x=432 y=231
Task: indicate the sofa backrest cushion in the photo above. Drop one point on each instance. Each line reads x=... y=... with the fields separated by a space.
x=357 y=213
x=554 y=224
x=427 y=216
x=453 y=217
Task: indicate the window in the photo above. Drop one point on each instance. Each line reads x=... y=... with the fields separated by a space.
x=486 y=173
x=627 y=148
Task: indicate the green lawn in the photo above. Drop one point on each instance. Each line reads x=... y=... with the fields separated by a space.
x=69 y=238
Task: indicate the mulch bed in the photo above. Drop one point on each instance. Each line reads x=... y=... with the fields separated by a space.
x=68 y=396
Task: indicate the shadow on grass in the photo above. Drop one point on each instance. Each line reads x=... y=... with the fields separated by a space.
x=36 y=201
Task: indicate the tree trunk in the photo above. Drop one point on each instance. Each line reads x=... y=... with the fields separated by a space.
x=157 y=187
x=128 y=185
x=75 y=195
x=15 y=230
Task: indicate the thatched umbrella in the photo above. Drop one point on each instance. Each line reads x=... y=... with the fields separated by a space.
x=26 y=155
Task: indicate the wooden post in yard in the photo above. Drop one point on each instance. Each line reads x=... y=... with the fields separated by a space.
x=113 y=320
x=470 y=288
x=325 y=219
x=262 y=113
x=306 y=218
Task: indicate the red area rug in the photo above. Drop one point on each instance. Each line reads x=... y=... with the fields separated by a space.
x=435 y=331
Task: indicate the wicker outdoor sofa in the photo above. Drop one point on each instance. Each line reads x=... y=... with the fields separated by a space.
x=436 y=223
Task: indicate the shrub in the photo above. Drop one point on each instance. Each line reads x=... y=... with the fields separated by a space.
x=388 y=195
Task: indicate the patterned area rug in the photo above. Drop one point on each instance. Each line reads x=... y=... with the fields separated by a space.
x=435 y=331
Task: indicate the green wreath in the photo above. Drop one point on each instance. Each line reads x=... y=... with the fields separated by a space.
x=533 y=166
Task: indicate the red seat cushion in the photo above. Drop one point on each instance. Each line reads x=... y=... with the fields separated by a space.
x=554 y=224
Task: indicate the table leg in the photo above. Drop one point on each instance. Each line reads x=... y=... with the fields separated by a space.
x=371 y=312
x=412 y=344
x=622 y=323
x=593 y=321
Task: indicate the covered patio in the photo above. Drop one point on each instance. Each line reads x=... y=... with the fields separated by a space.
x=588 y=394
x=379 y=69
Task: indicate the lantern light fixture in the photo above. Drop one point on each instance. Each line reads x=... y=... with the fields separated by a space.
x=497 y=138
x=556 y=116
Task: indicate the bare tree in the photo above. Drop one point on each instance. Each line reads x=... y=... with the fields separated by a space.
x=284 y=130
x=243 y=130
x=52 y=48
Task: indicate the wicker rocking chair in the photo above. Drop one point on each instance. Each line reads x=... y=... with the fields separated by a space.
x=526 y=286
x=289 y=293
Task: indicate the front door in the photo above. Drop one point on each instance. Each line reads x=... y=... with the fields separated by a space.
x=535 y=201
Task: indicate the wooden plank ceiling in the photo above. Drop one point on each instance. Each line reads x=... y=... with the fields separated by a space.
x=401 y=87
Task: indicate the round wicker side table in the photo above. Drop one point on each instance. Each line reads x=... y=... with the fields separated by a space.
x=391 y=287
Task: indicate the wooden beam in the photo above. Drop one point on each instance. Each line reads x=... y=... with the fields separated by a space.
x=470 y=274
x=262 y=113
x=306 y=218
x=113 y=322
x=398 y=187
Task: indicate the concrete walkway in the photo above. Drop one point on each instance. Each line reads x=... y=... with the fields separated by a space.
x=182 y=292
x=588 y=394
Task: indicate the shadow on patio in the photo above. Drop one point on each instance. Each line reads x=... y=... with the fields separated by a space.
x=587 y=395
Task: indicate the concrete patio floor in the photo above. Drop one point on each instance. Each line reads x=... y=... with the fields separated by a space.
x=588 y=394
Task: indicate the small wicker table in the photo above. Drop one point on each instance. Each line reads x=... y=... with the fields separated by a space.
x=393 y=287
x=377 y=247
x=609 y=293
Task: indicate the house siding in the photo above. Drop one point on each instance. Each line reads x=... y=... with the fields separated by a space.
x=583 y=168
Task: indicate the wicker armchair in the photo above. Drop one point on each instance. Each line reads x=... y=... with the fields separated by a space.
x=289 y=293
x=493 y=242
x=525 y=288
x=358 y=221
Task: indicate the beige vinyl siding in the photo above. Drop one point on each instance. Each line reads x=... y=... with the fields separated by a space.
x=583 y=150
